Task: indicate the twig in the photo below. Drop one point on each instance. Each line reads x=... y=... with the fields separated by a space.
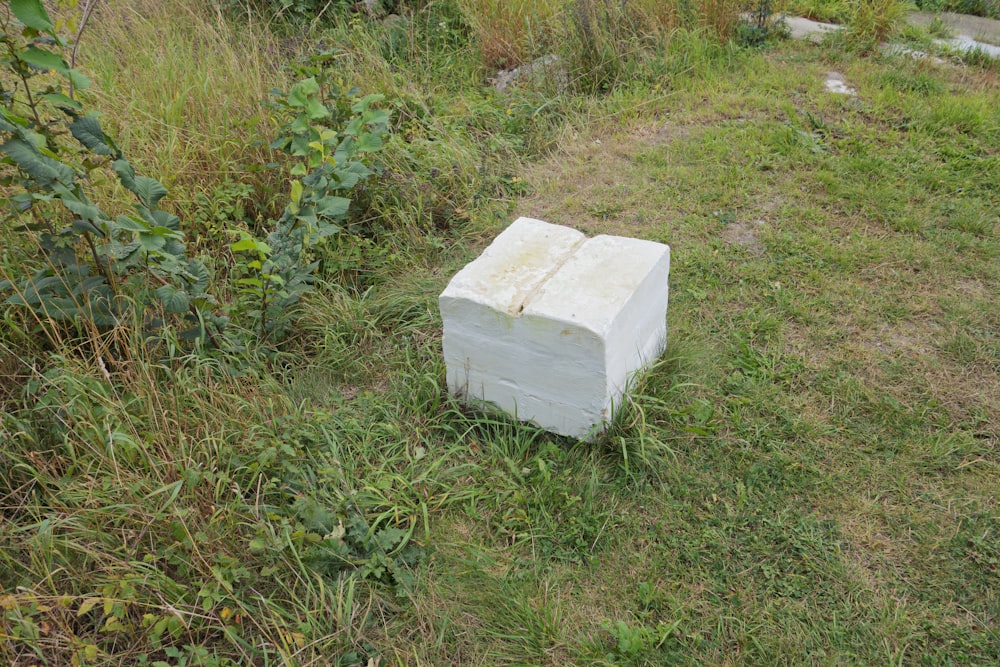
x=84 y=18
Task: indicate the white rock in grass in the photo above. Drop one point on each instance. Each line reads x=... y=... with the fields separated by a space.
x=550 y=326
x=836 y=84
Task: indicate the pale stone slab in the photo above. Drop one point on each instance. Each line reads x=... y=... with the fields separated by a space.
x=550 y=326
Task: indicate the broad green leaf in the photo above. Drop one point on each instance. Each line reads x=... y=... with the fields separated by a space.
x=198 y=275
x=296 y=194
x=365 y=102
x=168 y=220
x=332 y=207
x=45 y=60
x=86 y=227
x=300 y=125
x=126 y=174
x=165 y=232
x=376 y=117
x=78 y=79
x=325 y=230
x=173 y=299
x=174 y=246
x=152 y=242
x=149 y=190
x=88 y=132
x=126 y=254
x=299 y=145
x=354 y=128
x=346 y=150
x=85 y=210
x=247 y=245
x=32 y=14
x=302 y=91
x=350 y=174
x=308 y=217
x=299 y=170
x=59 y=100
x=87 y=604
x=390 y=538
x=131 y=224
x=368 y=143
x=43 y=169
x=315 y=109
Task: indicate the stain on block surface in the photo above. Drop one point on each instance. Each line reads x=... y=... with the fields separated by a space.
x=549 y=325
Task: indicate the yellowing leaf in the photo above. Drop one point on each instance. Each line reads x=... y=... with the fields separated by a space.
x=88 y=604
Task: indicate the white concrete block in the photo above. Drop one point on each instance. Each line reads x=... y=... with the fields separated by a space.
x=550 y=326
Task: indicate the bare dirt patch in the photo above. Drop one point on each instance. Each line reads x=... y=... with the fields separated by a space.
x=744 y=235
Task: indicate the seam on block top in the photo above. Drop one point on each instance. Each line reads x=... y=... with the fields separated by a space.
x=548 y=275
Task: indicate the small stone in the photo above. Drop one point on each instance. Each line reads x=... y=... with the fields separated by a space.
x=835 y=84
x=803 y=28
x=547 y=70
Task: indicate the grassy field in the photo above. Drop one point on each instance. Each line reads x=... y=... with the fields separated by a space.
x=810 y=475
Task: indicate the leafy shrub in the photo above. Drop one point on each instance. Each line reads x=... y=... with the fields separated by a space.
x=331 y=137
x=90 y=268
x=759 y=24
x=90 y=271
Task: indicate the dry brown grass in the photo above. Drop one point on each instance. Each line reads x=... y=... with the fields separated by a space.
x=511 y=32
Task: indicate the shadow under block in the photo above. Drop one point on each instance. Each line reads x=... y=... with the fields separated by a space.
x=550 y=326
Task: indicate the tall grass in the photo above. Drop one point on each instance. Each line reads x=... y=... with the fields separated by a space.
x=597 y=38
x=181 y=88
x=872 y=21
x=512 y=32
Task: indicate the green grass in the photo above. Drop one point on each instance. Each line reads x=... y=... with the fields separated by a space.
x=809 y=476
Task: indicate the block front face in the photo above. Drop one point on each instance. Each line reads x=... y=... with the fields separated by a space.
x=548 y=326
x=533 y=368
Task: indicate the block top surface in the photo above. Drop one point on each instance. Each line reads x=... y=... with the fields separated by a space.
x=596 y=282
x=513 y=268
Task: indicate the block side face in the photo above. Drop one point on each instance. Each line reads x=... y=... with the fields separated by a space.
x=597 y=282
x=638 y=335
x=513 y=267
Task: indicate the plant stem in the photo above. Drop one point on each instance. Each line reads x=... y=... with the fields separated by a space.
x=84 y=18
